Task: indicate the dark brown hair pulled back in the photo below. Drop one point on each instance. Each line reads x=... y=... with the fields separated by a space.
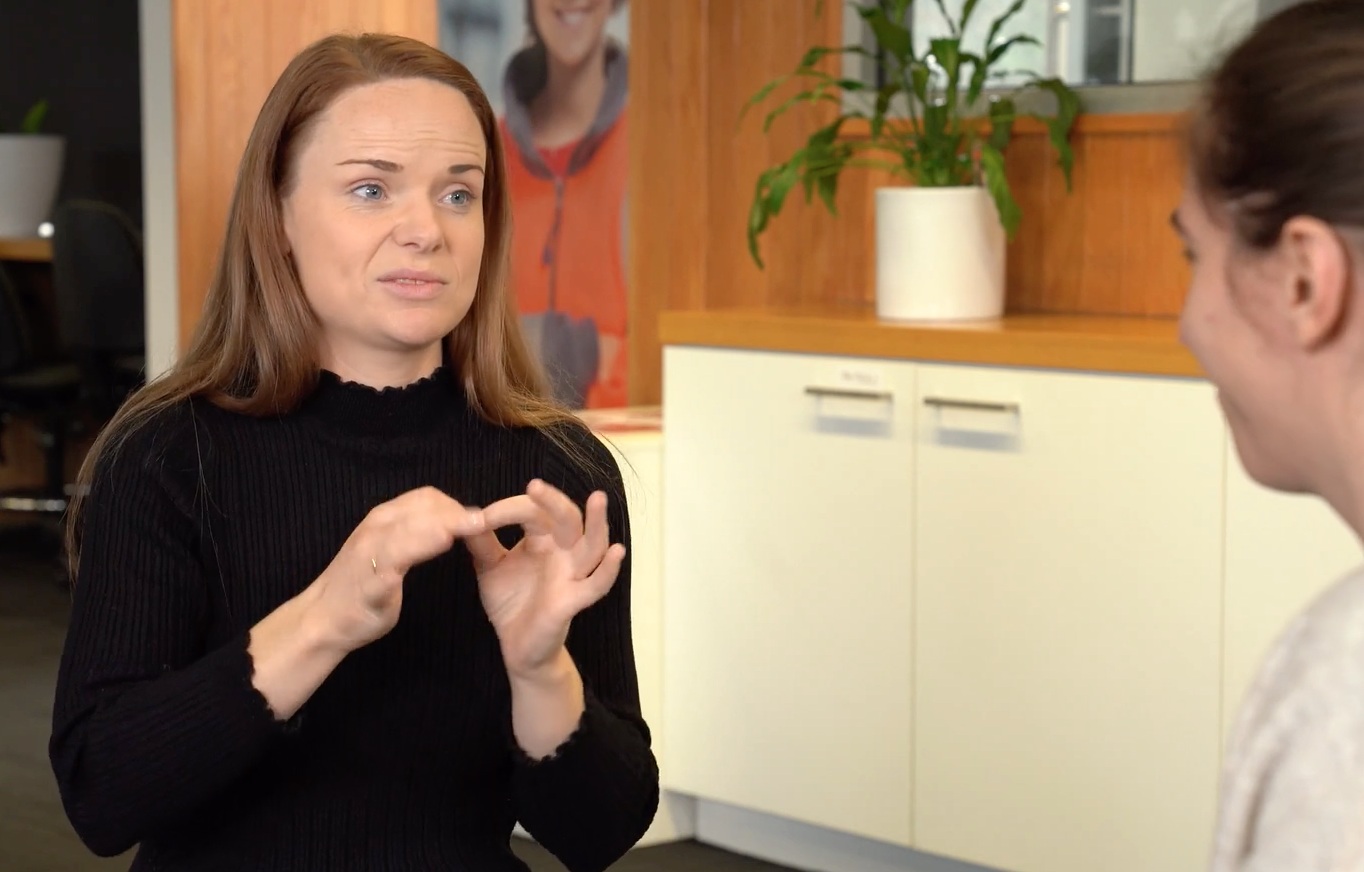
x=1279 y=130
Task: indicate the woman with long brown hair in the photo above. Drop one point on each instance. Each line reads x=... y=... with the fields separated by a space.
x=1273 y=220
x=350 y=591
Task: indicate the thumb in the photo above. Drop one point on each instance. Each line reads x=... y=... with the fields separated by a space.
x=486 y=550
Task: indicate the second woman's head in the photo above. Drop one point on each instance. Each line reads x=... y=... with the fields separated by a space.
x=1273 y=218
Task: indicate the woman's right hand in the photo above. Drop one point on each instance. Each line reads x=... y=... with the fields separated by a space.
x=358 y=597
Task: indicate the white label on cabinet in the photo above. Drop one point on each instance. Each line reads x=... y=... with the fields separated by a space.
x=859 y=378
x=853 y=393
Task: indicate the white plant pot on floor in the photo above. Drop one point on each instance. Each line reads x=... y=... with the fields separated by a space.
x=30 y=173
x=939 y=255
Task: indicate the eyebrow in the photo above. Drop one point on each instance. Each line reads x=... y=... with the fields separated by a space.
x=388 y=166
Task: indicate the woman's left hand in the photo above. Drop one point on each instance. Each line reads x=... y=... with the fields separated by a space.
x=561 y=566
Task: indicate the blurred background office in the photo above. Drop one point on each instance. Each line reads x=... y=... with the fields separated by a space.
x=71 y=272
x=1084 y=735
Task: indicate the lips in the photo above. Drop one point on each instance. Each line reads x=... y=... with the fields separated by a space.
x=412 y=277
x=572 y=16
x=413 y=284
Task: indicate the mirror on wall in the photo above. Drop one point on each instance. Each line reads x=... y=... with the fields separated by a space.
x=1107 y=42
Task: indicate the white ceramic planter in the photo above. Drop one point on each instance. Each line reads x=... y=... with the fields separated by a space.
x=939 y=255
x=30 y=174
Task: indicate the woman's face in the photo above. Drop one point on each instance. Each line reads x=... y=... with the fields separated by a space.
x=572 y=30
x=1261 y=325
x=384 y=220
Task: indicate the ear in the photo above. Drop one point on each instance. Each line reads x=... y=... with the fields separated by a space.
x=1317 y=279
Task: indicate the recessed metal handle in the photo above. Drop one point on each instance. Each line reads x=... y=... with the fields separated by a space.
x=973 y=405
x=849 y=393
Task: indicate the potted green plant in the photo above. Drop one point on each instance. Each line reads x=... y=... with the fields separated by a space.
x=941 y=234
x=30 y=173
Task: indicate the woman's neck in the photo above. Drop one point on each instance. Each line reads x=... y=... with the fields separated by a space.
x=564 y=111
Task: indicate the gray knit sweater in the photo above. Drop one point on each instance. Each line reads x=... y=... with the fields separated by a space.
x=1293 y=784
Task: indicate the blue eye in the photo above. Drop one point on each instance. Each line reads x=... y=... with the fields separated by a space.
x=468 y=197
x=365 y=189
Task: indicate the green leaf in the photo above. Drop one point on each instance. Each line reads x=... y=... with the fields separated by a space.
x=819 y=53
x=825 y=136
x=812 y=95
x=772 y=188
x=890 y=35
x=1060 y=125
x=935 y=120
x=783 y=179
x=828 y=191
x=758 y=217
x=883 y=98
x=33 y=119
x=1002 y=20
x=918 y=78
x=966 y=11
x=979 y=71
x=763 y=93
x=816 y=96
x=899 y=8
x=1000 y=50
x=947 y=52
x=951 y=25
x=997 y=183
x=823 y=149
x=817 y=157
x=1002 y=115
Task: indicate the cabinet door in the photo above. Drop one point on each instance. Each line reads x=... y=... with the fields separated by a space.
x=787 y=584
x=1067 y=615
x=1282 y=551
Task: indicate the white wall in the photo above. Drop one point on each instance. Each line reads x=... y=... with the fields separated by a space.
x=1031 y=20
x=158 y=184
x=1177 y=40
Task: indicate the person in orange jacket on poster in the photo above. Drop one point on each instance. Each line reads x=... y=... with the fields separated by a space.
x=564 y=129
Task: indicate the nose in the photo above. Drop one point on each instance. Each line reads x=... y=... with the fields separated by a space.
x=418 y=228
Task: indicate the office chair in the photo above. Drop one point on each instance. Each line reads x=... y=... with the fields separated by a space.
x=97 y=275
x=97 y=278
x=44 y=394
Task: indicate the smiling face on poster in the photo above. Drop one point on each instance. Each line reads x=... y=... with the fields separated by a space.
x=557 y=73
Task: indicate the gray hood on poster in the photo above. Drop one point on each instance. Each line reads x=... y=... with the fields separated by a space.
x=517 y=113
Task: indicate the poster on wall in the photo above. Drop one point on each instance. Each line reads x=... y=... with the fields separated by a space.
x=556 y=73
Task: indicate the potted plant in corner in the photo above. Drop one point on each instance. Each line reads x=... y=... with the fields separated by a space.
x=941 y=235
x=30 y=173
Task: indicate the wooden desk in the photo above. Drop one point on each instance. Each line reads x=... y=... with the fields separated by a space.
x=34 y=250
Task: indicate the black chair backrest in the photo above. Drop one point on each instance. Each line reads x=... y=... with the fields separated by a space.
x=97 y=278
x=15 y=341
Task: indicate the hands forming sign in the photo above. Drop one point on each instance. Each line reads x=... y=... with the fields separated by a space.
x=560 y=567
x=531 y=592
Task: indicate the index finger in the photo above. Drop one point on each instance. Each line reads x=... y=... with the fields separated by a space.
x=520 y=509
x=566 y=516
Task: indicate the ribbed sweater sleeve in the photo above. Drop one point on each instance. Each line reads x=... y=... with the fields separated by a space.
x=594 y=798
x=148 y=723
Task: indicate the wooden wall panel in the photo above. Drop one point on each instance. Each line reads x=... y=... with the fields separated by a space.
x=228 y=54
x=1105 y=249
x=669 y=176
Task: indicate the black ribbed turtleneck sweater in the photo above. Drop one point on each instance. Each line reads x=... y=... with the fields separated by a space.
x=206 y=521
